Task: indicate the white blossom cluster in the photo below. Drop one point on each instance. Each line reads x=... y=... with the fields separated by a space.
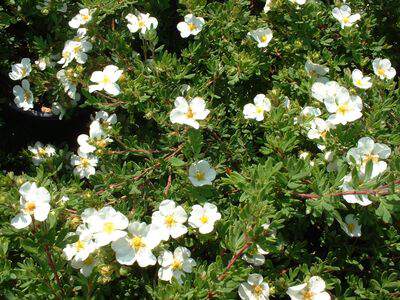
x=85 y=162
x=134 y=241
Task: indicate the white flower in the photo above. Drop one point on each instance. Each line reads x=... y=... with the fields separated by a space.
x=267 y=6
x=362 y=200
x=201 y=173
x=175 y=265
x=142 y=22
x=57 y=109
x=262 y=36
x=298 y=2
x=69 y=87
x=254 y=289
x=80 y=19
x=315 y=69
x=64 y=199
x=41 y=152
x=319 y=128
x=81 y=249
x=105 y=119
x=21 y=70
x=360 y=81
x=307 y=114
x=137 y=246
x=188 y=113
x=34 y=202
x=191 y=26
x=85 y=266
x=344 y=108
x=257 y=257
x=352 y=228
x=75 y=49
x=84 y=164
x=107 y=225
x=106 y=80
x=314 y=289
x=23 y=95
x=344 y=16
x=383 y=68
x=204 y=217
x=41 y=63
x=367 y=150
x=256 y=111
x=169 y=220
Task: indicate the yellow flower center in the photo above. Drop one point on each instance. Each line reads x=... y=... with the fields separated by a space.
x=169 y=221
x=41 y=152
x=189 y=114
x=27 y=95
x=372 y=157
x=141 y=23
x=65 y=54
x=192 y=26
x=308 y=295
x=176 y=265
x=79 y=245
x=257 y=289
x=199 y=175
x=343 y=109
x=264 y=38
x=23 y=71
x=136 y=242
x=351 y=227
x=85 y=18
x=259 y=110
x=108 y=227
x=324 y=133
x=204 y=219
x=85 y=162
x=106 y=79
x=358 y=82
x=101 y=143
x=381 y=71
x=346 y=20
x=30 y=207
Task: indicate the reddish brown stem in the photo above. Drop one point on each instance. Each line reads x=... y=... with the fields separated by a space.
x=166 y=190
x=53 y=267
x=234 y=259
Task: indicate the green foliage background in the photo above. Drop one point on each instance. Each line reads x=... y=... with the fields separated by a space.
x=260 y=172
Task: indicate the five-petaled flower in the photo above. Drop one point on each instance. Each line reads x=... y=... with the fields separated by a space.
x=175 y=265
x=191 y=25
x=189 y=113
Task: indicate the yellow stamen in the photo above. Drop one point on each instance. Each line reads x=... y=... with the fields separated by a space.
x=192 y=26
x=88 y=261
x=264 y=38
x=141 y=23
x=189 y=114
x=108 y=227
x=41 y=152
x=106 y=79
x=30 y=207
x=308 y=295
x=257 y=289
x=343 y=109
x=85 y=162
x=85 y=17
x=346 y=20
x=169 y=221
x=199 y=175
x=101 y=143
x=204 y=219
x=381 y=72
x=136 y=242
x=358 y=82
x=27 y=96
x=176 y=265
x=79 y=245
x=77 y=49
x=259 y=110
x=23 y=71
x=372 y=157
x=351 y=227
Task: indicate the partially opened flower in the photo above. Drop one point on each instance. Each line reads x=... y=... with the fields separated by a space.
x=319 y=128
x=80 y=19
x=137 y=245
x=169 y=220
x=175 y=265
x=298 y=2
x=352 y=228
x=314 y=289
x=383 y=68
x=204 y=217
x=367 y=150
x=201 y=173
x=347 y=185
x=142 y=22
x=85 y=266
x=257 y=110
x=81 y=249
x=107 y=225
x=75 y=49
x=21 y=70
x=69 y=87
x=254 y=289
x=106 y=80
x=23 y=95
x=189 y=112
x=41 y=152
x=360 y=81
x=34 y=202
x=267 y=6
x=262 y=36
x=105 y=119
x=191 y=26
x=85 y=164
x=255 y=257
x=315 y=69
x=344 y=16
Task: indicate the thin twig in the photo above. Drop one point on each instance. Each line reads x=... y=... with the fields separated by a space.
x=234 y=259
x=53 y=267
x=166 y=190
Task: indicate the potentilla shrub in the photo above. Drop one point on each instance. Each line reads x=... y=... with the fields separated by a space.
x=238 y=150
